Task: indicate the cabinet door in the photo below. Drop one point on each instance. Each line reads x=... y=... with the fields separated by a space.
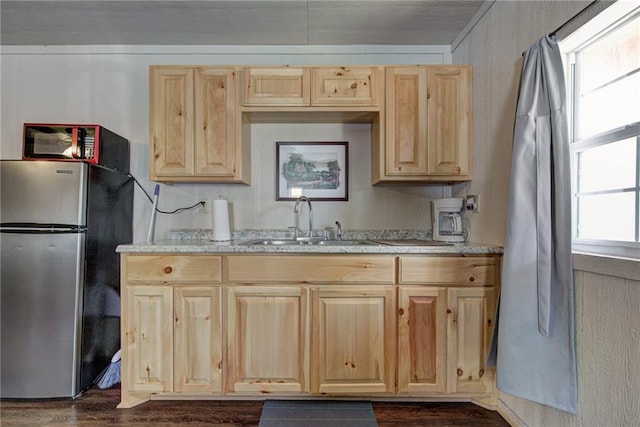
x=346 y=86
x=149 y=337
x=171 y=121
x=267 y=339
x=422 y=338
x=279 y=86
x=216 y=146
x=406 y=148
x=449 y=119
x=353 y=340
x=197 y=339
x=470 y=322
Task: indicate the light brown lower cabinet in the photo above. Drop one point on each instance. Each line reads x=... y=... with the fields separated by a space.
x=197 y=339
x=353 y=340
x=443 y=339
x=174 y=339
x=267 y=339
x=422 y=340
x=203 y=326
x=148 y=337
x=469 y=326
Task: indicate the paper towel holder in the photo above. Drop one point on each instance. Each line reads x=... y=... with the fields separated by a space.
x=220 y=220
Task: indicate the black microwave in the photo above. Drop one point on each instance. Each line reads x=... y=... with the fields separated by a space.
x=93 y=144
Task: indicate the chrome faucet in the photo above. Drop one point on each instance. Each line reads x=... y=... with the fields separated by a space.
x=295 y=210
x=339 y=232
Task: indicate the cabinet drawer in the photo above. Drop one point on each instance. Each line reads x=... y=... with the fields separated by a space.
x=173 y=268
x=311 y=269
x=345 y=86
x=444 y=270
x=282 y=86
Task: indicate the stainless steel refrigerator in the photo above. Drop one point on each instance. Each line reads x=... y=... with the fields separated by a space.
x=60 y=223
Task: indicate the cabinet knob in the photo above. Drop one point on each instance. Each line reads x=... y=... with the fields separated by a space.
x=401 y=311
x=460 y=372
x=448 y=311
x=472 y=279
x=168 y=270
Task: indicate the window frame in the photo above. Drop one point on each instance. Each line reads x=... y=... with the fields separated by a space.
x=584 y=36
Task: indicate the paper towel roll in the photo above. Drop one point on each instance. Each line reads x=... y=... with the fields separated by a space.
x=221 y=231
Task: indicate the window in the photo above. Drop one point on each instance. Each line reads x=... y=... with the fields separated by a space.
x=603 y=80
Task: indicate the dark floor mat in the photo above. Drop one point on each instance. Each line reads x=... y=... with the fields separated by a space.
x=320 y=413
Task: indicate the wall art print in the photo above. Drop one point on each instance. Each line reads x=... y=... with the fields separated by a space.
x=318 y=170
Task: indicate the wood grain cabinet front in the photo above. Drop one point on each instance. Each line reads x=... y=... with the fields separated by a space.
x=164 y=268
x=147 y=334
x=276 y=86
x=171 y=326
x=470 y=324
x=312 y=86
x=422 y=340
x=290 y=268
x=448 y=270
x=353 y=340
x=206 y=325
x=173 y=339
x=200 y=117
x=445 y=320
x=428 y=125
x=195 y=126
x=267 y=339
x=348 y=86
x=197 y=339
x=443 y=339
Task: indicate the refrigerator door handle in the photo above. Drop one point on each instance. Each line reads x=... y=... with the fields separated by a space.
x=28 y=228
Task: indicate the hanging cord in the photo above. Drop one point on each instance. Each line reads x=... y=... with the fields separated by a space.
x=175 y=211
x=131 y=177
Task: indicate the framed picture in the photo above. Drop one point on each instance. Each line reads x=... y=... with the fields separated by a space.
x=318 y=170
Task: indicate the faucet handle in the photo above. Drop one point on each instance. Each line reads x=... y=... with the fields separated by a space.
x=339 y=232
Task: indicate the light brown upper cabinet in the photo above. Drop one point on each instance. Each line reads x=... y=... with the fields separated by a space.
x=201 y=116
x=312 y=86
x=428 y=125
x=345 y=86
x=195 y=127
x=277 y=86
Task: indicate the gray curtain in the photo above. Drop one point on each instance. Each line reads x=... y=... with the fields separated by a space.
x=536 y=357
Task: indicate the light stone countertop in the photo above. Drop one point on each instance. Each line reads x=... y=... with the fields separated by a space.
x=199 y=241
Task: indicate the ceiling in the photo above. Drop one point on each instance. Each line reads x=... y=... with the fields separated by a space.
x=238 y=22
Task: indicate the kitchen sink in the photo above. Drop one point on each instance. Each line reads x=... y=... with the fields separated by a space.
x=318 y=241
x=345 y=243
x=292 y=242
x=275 y=242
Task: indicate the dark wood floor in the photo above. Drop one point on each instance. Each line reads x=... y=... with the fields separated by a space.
x=98 y=408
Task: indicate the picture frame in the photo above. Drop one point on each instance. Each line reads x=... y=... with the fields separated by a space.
x=317 y=170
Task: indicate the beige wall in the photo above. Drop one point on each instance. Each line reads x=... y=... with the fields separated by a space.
x=494 y=47
x=109 y=85
x=608 y=353
x=608 y=341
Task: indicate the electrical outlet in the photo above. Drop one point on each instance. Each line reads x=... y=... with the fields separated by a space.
x=204 y=205
x=471 y=203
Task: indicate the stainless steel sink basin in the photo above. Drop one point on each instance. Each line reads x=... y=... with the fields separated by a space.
x=276 y=242
x=345 y=243
x=292 y=242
